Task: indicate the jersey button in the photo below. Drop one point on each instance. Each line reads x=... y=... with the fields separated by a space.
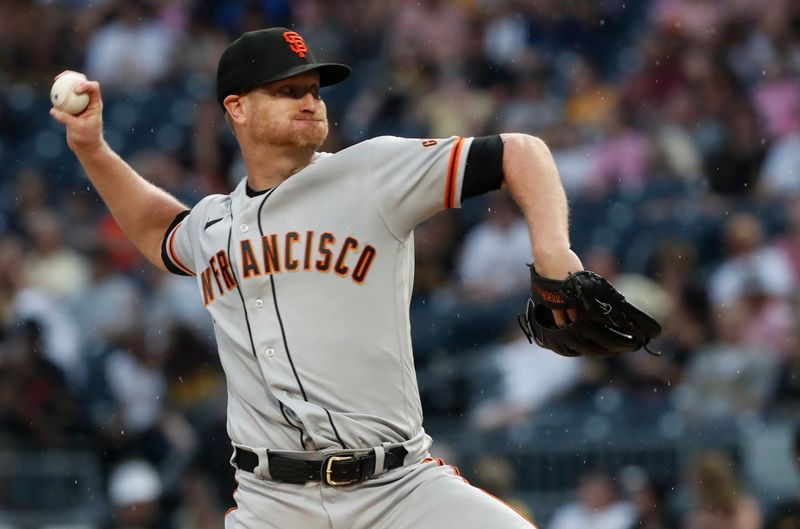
x=270 y=352
x=244 y=227
x=259 y=303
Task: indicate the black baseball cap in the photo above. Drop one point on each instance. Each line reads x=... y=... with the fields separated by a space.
x=268 y=55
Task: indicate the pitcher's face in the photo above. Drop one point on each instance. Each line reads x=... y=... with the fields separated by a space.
x=288 y=113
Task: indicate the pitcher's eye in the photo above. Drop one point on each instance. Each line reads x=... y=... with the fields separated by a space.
x=296 y=92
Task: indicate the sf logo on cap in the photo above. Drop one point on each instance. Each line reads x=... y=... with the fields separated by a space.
x=296 y=43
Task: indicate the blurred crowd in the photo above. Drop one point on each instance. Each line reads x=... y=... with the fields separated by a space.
x=676 y=128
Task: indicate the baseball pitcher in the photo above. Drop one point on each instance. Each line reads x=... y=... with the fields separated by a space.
x=307 y=270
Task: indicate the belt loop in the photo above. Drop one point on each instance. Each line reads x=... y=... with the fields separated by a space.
x=380 y=458
x=262 y=470
x=379 y=468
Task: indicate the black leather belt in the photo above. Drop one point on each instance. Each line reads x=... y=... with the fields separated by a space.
x=332 y=470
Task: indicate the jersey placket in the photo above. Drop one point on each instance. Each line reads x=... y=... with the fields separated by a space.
x=282 y=352
x=263 y=332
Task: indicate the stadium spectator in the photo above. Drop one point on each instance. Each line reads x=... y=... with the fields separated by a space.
x=597 y=506
x=137 y=416
x=786 y=515
x=415 y=22
x=734 y=166
x=786 y=397
x=622 y=158
x=496 y=475
x=36 y=405
x=26 y=196
x=530 y=378
x=590 y=102
x=718 y=499
x=701 y=21
x=132 y=51
x=135 y=492
x=788 y=243
x=776 y=98
x=505 y=39
x=52 y=265
x=442 y=107
x=650 y=499
x=748 y=258
x=674 y=145
x=728 y=378
x=491 y=277
x=62 y=340
x=572 y=153
x=780 y=174
x=12 y=276
x=489 y=265
x=110 y=303
x=532 y=108
x=770 y=318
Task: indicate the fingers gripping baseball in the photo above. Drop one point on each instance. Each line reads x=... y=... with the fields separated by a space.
x=84 y=130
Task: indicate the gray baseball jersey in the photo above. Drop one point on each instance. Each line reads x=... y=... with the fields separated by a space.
x=309 y=287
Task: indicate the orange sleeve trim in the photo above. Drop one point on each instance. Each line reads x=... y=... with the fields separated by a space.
x=173 y=255
x=452 y=171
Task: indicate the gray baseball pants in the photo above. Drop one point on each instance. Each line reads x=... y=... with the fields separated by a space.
x=426 y=495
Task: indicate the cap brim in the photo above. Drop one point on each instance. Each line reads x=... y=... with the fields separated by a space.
x=329 y=74
x=332 y=73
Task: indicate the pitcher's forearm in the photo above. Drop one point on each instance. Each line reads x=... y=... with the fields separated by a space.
x=143 y=210
x=532 y=178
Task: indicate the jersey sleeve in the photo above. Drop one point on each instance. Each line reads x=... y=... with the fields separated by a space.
x=180 y=248
x=176 y=248
x=415 y=178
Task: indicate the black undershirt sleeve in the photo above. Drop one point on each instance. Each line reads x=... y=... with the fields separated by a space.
x=164 y=257
x=484 y=169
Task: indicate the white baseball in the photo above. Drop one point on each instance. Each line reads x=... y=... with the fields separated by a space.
x=63 y=95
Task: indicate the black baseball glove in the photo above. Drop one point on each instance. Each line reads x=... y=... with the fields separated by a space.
x=606 y=324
